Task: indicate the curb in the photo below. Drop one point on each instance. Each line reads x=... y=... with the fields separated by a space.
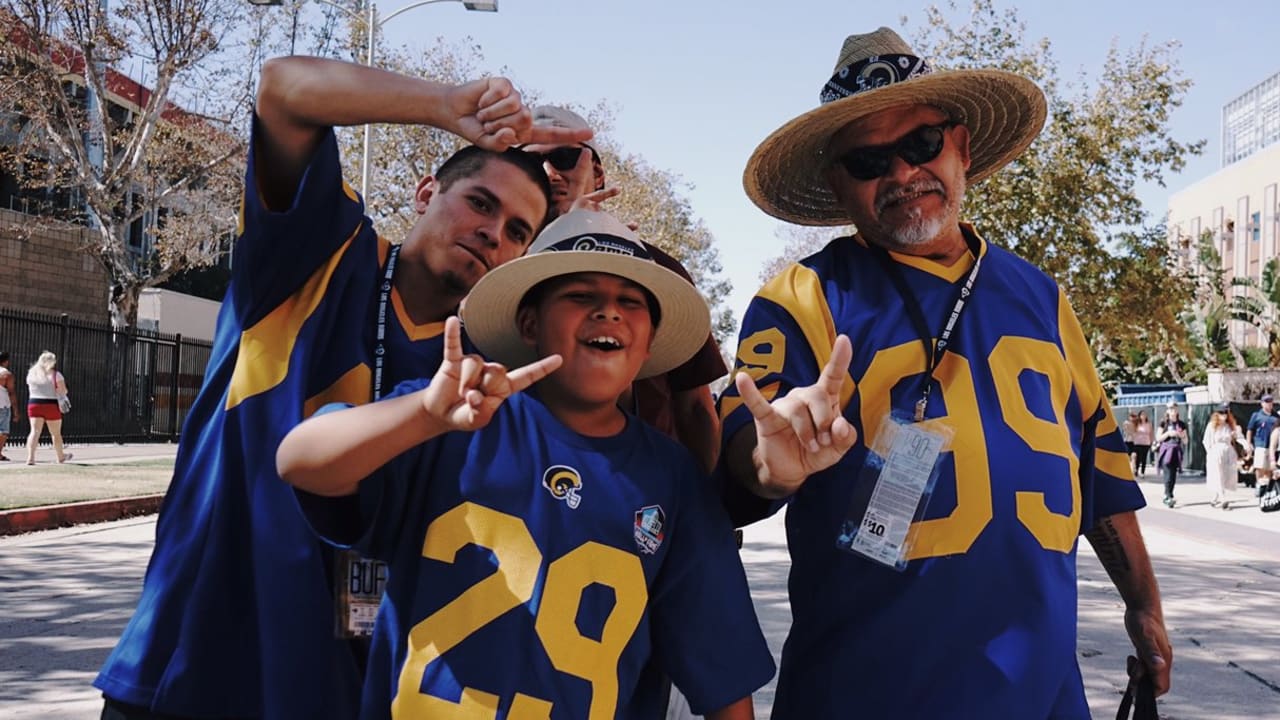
x=46 y=517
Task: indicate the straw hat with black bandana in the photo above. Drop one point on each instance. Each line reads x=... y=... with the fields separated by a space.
x=877 y=71
x=578 y=242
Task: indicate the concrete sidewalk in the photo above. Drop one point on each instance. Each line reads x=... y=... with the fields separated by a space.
x=99 y=482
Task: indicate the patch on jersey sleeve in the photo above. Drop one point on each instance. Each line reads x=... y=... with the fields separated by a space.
x=650 y=521
x=564 y=483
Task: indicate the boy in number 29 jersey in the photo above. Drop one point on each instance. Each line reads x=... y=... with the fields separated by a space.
x=542 y=545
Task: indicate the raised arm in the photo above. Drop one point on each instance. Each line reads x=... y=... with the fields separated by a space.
x=300 y=97
x=331 y=454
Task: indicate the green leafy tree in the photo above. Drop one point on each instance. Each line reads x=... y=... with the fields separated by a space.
x=1208 y=312
x=162 y=154
x=653 y=198
x=1060 y=203
x=799 y=242
x=1069 y=204
x=1257 y=303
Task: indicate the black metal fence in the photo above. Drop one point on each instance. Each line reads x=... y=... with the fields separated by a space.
x=132 y=386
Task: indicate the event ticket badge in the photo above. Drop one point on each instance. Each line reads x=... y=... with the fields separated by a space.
x=359 y=583
x=893 y=489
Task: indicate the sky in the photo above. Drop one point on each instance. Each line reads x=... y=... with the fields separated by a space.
x=696 y=85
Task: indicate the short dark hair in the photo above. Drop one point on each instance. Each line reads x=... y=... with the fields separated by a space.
x=472 y=159
x=534 y=296
x=4 y=356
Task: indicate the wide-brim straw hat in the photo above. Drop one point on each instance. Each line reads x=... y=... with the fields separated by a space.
x=585 y=241
x=877 y=71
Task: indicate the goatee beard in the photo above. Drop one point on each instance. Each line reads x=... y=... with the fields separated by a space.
x=919 y=228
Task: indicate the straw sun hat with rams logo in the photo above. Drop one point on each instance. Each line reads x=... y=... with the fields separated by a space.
x=585 y=241
x=878 y=71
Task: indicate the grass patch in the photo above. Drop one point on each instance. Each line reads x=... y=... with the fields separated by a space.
x=53 y=484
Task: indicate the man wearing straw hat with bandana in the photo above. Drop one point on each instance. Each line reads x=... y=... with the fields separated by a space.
x=926 y=405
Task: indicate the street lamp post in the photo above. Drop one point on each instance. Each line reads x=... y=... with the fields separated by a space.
x=374 y=25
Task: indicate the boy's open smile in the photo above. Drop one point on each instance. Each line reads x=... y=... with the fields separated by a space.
x=600 y=324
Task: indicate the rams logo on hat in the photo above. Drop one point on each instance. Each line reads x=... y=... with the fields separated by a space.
x=563 y=482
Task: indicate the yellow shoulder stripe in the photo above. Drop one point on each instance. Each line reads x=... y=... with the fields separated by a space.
x=354 y=387
x=263 y=359
x=798 y=290
x=1113 y=463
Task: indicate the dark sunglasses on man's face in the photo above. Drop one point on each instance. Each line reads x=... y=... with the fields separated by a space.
x=562 y=158
x=916 y=148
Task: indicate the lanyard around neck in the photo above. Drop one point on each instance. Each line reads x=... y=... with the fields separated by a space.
x=380 y=342
x=933 y=353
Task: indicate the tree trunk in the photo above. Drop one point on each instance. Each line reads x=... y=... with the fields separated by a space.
x=122 y=304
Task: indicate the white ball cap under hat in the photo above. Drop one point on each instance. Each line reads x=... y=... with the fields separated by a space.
x=558 y=117
x=877 y=71
x=585 y=241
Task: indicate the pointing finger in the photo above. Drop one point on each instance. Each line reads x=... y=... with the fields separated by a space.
x=768 y=420
x=452 y=340
x=833 y=374
x=522 y=378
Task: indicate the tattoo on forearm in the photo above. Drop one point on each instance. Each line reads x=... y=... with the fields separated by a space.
x=1106 y=543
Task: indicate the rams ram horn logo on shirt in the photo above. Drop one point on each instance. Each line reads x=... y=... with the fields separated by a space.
x=563 y=482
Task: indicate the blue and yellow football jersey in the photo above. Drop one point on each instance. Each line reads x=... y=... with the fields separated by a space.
x=236 y=616
x=534 y=571
x=981 y=623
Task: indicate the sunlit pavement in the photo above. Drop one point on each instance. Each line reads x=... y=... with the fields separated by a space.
x=66 y=594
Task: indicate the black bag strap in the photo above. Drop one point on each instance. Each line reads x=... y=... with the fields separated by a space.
x=1140 y=697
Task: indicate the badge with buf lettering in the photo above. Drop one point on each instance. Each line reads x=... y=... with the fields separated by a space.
x=360 y=582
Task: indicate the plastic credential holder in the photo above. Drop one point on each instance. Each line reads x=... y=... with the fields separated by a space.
x=893 y=489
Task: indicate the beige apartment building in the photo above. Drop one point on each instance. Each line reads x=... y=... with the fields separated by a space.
x=1237 y=205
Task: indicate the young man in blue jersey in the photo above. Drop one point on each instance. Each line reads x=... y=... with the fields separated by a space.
x=938 y=469
x=543 y=545
x=236 y=617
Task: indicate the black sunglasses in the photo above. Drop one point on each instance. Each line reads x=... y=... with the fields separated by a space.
x=916 y=148
x=563 y=158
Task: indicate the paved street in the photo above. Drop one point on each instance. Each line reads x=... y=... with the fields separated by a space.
x=65 y=594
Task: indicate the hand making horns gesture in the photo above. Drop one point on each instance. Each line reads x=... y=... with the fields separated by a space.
x=467 y=390
x=802 y=432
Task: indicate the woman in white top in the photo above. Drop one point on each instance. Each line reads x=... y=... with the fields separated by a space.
x=1221 y=459
x=44 y=385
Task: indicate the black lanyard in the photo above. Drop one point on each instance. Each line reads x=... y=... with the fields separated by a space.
x=380 y=342
x=912 y=305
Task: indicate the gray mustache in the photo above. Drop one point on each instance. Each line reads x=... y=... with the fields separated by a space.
x=920 y=186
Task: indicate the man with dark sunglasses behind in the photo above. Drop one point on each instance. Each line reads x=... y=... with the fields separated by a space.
x=926 y=405
x=677 y=403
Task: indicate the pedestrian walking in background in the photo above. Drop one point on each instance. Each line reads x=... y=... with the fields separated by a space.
x=44 y=386
x=8 y=402
x=1126 y=431
x=1221 y=436
x=1142 y=435
x=1258 y=433
x=1171 y=440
